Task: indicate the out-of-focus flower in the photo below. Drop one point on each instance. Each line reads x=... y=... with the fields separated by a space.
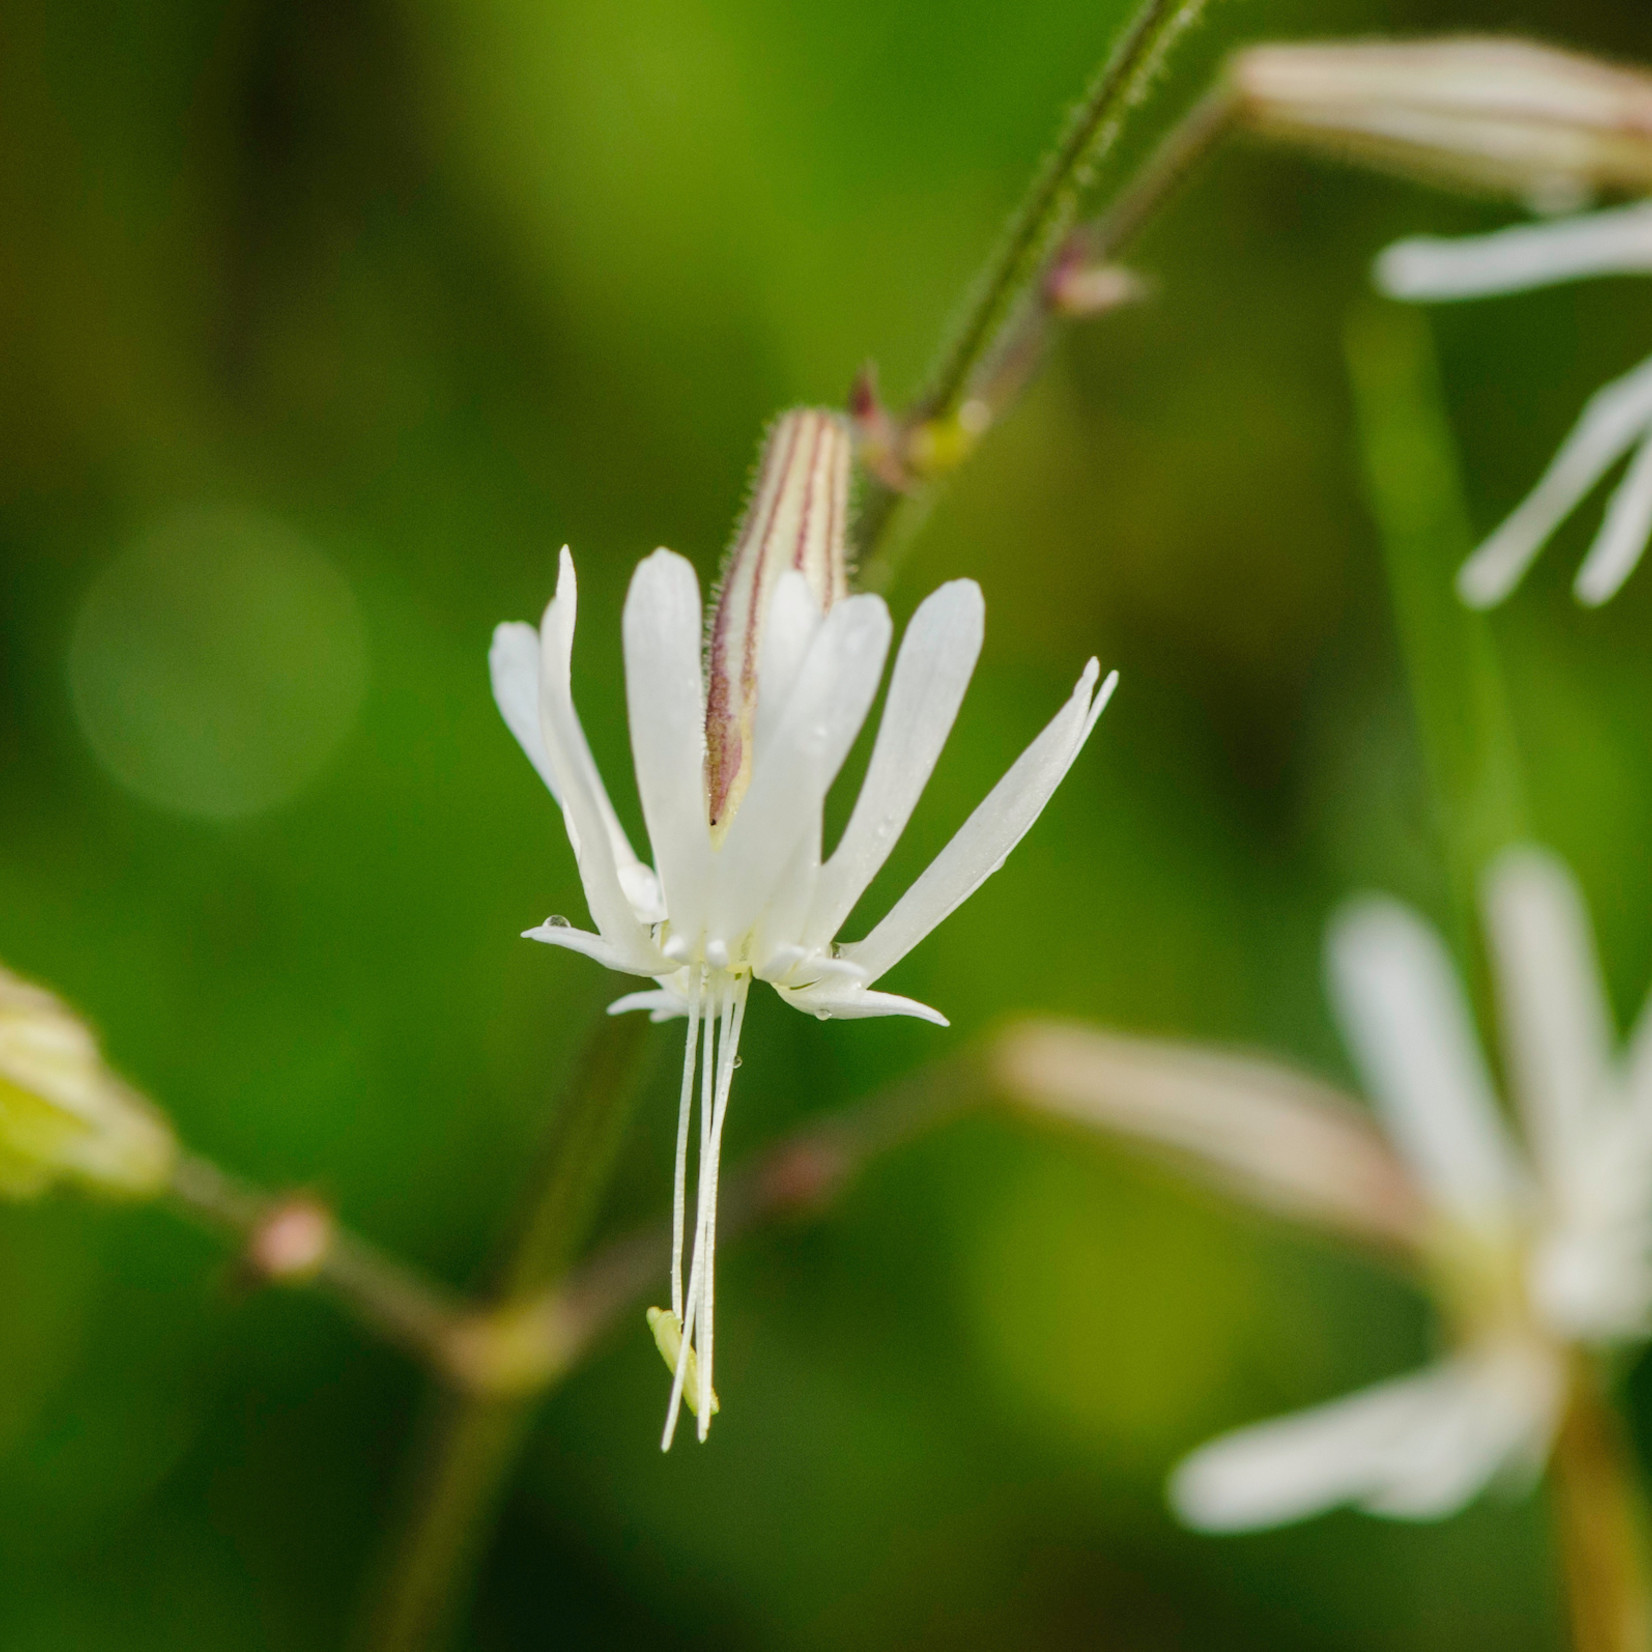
x=1552 y=127
x=1617 y=420
x=733 y=762
x=63 y=1115
x=1532 y=1251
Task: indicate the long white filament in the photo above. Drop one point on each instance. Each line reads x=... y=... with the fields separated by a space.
x=685 y=1110
x=734 y=1016
x=721 y=1005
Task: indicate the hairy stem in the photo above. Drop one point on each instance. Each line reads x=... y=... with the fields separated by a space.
x=293 y=1240
x=473 y=1433
x=496 y=1358
x=1601 y=1525
x=1050 y=208
x=1012 y=282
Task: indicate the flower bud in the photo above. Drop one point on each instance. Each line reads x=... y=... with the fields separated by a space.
x=1551 y=127
x=63 y=1114
x=797 y=519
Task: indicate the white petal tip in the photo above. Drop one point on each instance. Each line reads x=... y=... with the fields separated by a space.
x=1595 y=592
x=1479 y=587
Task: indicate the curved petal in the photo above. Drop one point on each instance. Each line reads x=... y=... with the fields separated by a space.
x=1621 y=542
x=1407 y=1022
x=1416 y=1448
x=857 y=1004
x=935 y=664
x=1615 y=419
x=1556 y=1025
x=513 y=667
x=980 y=845
x=561 y=933
x=600 y=846
x=832 y=693
x=1260 y=1131
x=662 y=1004
x=1426 y=268
x=666 y=699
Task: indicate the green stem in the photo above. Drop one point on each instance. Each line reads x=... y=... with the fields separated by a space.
x=1050 y=208
x=1014 y=277
x=1451 y=665
x=1601 y=1522
x=472 y=1437
x=293 y=1240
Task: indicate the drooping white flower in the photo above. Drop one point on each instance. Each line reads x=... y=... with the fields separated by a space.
x=734 y=756
x=1616 y=422
x=1534 y=1246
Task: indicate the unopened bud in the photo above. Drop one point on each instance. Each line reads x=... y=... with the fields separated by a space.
x=63 y=1114
x=797 y=520
x=1552 y=127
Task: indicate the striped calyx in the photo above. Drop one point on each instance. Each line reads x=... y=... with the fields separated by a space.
x=797 y=520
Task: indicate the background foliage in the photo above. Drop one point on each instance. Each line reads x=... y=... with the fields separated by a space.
x=346 y=315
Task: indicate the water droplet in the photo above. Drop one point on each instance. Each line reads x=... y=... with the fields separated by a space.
x=557 y=921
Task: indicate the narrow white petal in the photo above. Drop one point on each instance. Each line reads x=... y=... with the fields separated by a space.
x=1556 y=1024
x=857 y=1004
x=513 y=665
x=1615 y=419
x=1638 y=1065
x=1498 y=1424
x=1308 y=1462
x=600 y=846
x=665 y=697
x=598 y=947
x=832 y=693
x=936 y=661
x=1270 y=1135
x=1427 y=268
x=662 y=1004
x=980 y=845
x=1408 y=1025
x=1621 y=542
x=1418 y=1448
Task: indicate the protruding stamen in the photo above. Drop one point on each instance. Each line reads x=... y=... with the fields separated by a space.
x=797 y=519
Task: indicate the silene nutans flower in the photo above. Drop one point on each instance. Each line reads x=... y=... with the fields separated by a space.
x=64 y=1116
x=737 y=733
x=1536 y=1243
x=1557 y=130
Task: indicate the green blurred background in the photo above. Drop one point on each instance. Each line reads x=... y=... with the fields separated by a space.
x=323 y=323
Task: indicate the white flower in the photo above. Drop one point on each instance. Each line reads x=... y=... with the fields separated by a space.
x=1616 y=422
x=732 y=779
x=1532 y=1250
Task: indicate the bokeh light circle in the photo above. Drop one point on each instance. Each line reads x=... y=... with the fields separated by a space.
x=217 y=664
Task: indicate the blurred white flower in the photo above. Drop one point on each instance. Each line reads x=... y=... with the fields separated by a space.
x=63 y=1115
x=1491 y=112
x=733 y=775
x=1616 y=422
x=1531 y=1251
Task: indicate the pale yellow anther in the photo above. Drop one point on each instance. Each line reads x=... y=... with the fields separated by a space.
x=668 y=1338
